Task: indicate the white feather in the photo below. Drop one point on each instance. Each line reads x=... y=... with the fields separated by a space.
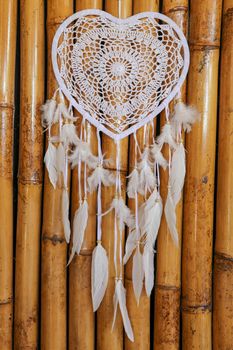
x=166 y=136
x=130 y=245
x=137 y=274
x=120 y=299
x=123 y=213
x=158 y=157
x=170 y=214
x=68 y=135
x=133 y=183
x=82 y=152
x=48 y=111
x=184 y=117
x=147 y=180
x=177 y=174
x=79 y=227
x=148 y=267
x=102 y=175
x=65 y=113
x=65 y=214
x=149 y=225
x=50 y=160
x=99 y=275
x=61 y=160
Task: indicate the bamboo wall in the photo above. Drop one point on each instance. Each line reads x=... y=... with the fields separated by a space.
x=45 y=305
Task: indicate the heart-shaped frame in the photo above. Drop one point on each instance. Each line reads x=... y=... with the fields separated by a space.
x=120 y=26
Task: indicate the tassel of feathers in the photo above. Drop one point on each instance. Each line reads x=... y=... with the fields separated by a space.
x=123 y=213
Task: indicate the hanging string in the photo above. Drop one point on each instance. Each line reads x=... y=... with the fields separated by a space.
x=99 y=204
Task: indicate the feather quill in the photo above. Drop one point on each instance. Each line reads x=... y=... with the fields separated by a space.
x=65 y=214
x=177 y=174
x=170 y=214
x=99 y=275
x=120 y=299
x=50 y=160
x=137 y=274
x=79 y=227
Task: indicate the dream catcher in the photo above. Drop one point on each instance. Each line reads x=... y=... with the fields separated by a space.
x=119 y=75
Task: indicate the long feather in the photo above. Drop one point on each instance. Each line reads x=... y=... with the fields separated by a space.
x=177 y=174
x=130 y=245
x=170 y=214
x=50 y=160
x=148 y=267
x=137 y=274
x=120 y=299
x=99 y=275
x=61 y=160
x=65 y=214
x=79 y=227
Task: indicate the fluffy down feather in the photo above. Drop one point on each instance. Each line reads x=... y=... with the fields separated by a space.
x=100 y=175
x=184 y=117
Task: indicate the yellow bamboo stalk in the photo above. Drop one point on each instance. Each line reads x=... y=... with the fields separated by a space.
x=168 y=275
x=205 y=24
x=139 y=314
x=223 y=263
x=81 y=316
x=105 y=337
x=30 y=175
x=54 y=248
x=8 y=25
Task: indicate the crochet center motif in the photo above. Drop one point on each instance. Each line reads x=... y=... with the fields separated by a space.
x=118 y=73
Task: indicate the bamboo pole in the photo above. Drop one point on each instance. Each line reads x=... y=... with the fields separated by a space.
x=205 y=24
x=168 y=275
x=81 y=316
x=139 y=314
x=8 y=25
x=54 y=248
x=30 y=175
x=105 y=337
x=223 y=263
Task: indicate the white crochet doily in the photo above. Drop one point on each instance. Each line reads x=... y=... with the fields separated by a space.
x=119 y=74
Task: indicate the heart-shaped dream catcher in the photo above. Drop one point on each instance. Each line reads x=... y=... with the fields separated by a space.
x=119 y=74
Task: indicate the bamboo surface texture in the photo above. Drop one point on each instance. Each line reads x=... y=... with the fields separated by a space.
x=139 y=314
x=223 y=259
x=54 y=247
x=105 y=336
x=168 y=273
x=81 y=316
x=8 y=25
x=30 y=175
x=205 y=26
